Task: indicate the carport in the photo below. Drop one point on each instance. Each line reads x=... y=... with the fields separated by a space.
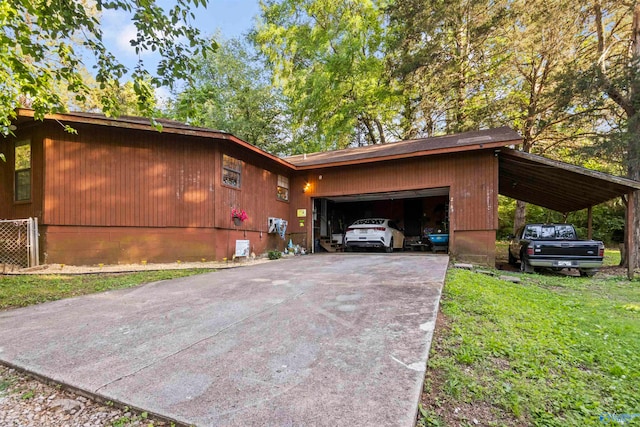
x=564 y=188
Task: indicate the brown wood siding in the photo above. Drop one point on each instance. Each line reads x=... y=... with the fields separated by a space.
x=474 y=192
x=256 y=195
x=127 y=178
x=9 y=209
x=471 y=178
x=115 y=177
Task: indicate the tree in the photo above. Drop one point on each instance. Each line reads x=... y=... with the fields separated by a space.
x=544 y=49
x=328 y=57
x=40 y=43
x=231 y=91
x=448 y=56
x=124 y=94
x=615 y=56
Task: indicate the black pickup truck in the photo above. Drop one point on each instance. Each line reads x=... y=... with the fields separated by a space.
x=554 y=246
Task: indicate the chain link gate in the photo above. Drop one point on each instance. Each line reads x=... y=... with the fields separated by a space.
x=19 y=242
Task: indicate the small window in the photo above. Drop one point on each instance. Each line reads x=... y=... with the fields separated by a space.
x=532 y=232
x=282 y=192
x=565 y=232
x=231 y=171
x=22 y=168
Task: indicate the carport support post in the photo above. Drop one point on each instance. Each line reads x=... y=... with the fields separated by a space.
x=630 y=243
x=590 y=223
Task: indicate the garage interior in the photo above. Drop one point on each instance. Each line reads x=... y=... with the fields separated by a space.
x=417 y=212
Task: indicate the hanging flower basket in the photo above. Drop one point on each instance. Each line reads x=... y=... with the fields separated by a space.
x=238 y=216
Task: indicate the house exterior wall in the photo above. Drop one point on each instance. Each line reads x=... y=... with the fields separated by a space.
x=9 y=208
x=109 y=195
x=472 y=179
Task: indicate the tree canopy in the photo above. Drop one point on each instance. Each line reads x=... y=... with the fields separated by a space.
x=42 y=42
x=231 y=91
x=328 y=57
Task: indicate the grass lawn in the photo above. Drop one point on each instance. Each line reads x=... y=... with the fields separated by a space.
x=20 y=291
x=550 y=351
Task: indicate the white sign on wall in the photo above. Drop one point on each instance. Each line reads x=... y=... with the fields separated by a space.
x=242 y=248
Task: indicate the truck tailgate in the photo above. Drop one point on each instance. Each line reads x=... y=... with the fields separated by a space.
x=565 y=249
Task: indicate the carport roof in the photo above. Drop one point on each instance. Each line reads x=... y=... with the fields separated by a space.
x=556 y=185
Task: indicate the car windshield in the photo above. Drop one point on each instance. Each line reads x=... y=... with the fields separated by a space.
x=369 y=222
x=555 y=232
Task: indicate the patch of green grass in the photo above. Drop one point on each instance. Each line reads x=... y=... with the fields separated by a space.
x=611 y=257
x=551 y=351
x=29 y=394
x=21 y=291
x=6 y=384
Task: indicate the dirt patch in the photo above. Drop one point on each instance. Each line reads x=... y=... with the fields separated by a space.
x=612 y=270
x=126 y=268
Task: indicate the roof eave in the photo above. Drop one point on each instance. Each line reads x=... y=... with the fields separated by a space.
x=448 y=150
x=165 y=129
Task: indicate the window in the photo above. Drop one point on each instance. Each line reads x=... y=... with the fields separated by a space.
x=565 y=232
x=282 y=192
x=532 y=232
x=22 y=168
x=231 y=171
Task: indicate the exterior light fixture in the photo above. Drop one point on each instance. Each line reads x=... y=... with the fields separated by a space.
x=307 y=187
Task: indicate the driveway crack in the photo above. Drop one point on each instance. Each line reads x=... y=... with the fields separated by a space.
x=229 y=326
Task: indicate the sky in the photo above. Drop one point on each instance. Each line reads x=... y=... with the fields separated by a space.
x=231 y=18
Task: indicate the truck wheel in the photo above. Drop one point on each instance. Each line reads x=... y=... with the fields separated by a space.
x=587 y=272
x=512 y=259
x=525 y=267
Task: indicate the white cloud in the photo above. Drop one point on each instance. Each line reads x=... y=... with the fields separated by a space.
x=118 y=31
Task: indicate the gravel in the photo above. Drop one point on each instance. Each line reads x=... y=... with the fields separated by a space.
x=125 y=268
x=27 y=402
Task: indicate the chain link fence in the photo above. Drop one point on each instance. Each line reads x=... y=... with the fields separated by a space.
x=19 y=242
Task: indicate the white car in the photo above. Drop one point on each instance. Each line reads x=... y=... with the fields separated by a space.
x=374 y=233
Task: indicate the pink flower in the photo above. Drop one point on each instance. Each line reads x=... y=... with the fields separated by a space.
x=239 y=213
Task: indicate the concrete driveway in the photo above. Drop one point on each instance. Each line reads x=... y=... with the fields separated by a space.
x=323 y=340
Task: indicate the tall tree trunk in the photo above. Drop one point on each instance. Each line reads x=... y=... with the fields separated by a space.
x=634 y=173
x=370 y=134
x=383 y=140
x=521 y=215
x=634 y=131
x=628 y=103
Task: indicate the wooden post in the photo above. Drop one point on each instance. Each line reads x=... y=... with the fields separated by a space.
x=590 y=223
x=631 y=241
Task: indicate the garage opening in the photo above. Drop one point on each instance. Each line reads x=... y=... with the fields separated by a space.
x=421 y=215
